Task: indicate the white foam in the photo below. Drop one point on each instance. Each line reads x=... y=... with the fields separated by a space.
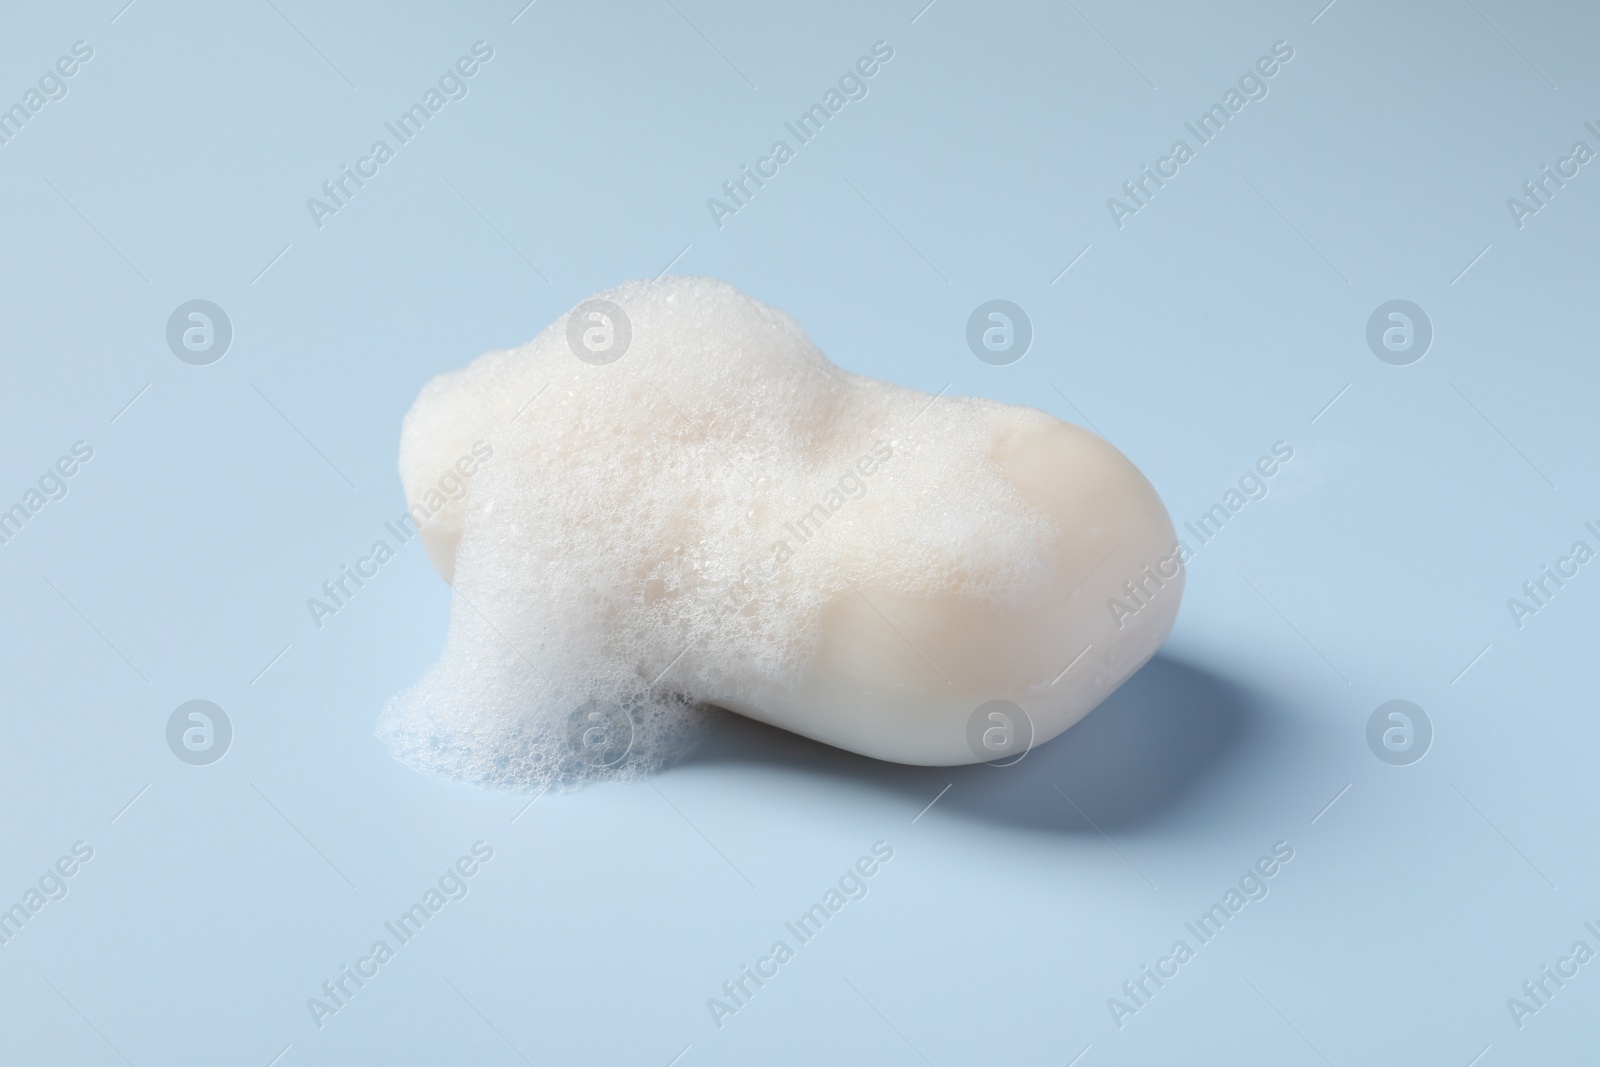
x=616 y=563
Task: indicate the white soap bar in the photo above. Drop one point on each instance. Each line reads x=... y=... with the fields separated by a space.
x=670 y=499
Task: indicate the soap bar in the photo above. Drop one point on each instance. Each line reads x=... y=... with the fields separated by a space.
x=671 y=501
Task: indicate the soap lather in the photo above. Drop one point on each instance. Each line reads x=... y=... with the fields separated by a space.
x=687 y=505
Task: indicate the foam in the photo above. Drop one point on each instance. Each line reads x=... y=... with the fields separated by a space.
x=616 y=568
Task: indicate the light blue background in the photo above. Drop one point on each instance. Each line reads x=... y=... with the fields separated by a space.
x=1222 y=318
